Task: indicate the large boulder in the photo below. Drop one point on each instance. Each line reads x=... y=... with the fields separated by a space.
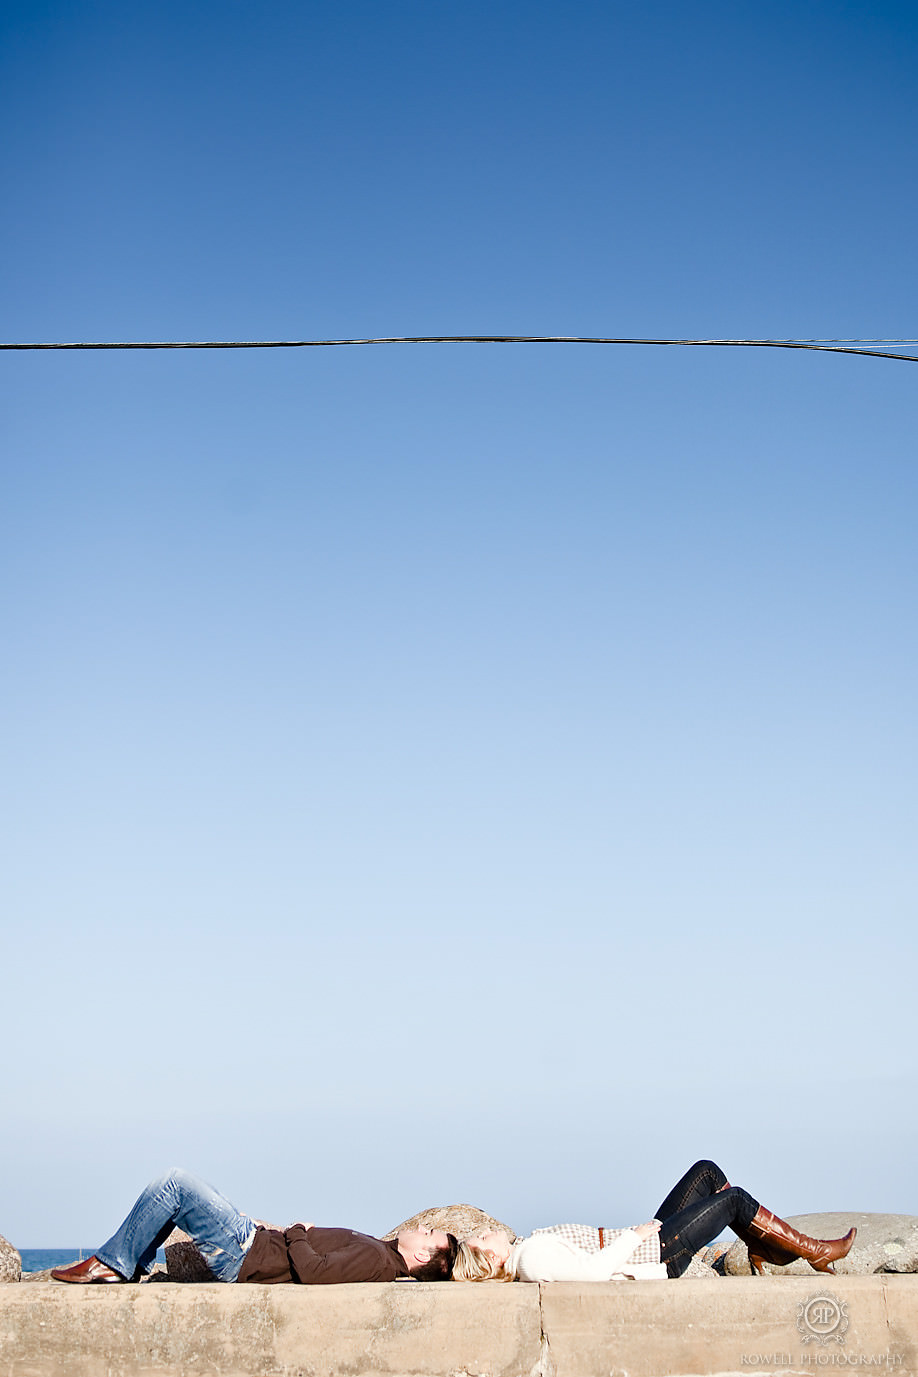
x=461 y=1220
x=884 y=1243
x=10 y=1262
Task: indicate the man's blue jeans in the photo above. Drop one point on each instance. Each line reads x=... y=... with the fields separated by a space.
x=222 y=1233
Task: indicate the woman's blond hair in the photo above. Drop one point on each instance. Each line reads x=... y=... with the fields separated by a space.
x=474 y=1264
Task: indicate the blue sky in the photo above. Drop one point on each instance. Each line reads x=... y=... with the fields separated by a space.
x=457 y=772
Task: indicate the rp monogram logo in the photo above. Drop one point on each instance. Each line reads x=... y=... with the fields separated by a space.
x=823 y=1318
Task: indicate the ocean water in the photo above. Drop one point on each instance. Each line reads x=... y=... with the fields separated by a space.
x=37 y=1259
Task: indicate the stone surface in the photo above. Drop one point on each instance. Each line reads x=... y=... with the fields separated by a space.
x=10 y=1262
x=461 y=1220
x=746 y=1325
x=701 y=1268
x=884 y=1243
x=715 y=1254
x=408 y=1329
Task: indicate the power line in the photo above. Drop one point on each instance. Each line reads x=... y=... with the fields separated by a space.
x=833 y=346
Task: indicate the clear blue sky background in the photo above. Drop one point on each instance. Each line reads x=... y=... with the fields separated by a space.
x=439 y=773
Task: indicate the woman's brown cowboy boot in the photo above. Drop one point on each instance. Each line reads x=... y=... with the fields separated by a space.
x=760 y=1252
x=770 y=1239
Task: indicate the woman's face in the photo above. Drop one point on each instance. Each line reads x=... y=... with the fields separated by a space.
x=494 y=1242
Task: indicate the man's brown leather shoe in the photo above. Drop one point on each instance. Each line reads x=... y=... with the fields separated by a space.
x=89 y=1270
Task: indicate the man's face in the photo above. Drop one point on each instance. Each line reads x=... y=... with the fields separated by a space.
x=417 y=1246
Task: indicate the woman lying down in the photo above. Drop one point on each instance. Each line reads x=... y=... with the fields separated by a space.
x=697 y=1209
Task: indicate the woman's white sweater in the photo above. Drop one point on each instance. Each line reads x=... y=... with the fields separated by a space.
x=547 y=1257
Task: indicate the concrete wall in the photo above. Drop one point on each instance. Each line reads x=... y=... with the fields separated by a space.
x=637 y=1329
x=700 y=1327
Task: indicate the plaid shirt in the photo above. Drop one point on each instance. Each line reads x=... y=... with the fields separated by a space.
x=587 y=1237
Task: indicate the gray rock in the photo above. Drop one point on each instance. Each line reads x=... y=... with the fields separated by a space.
x=701 y=1268
x=461 y=1220
x=713 y=1255
x=884 y=1243
x=10 y=1262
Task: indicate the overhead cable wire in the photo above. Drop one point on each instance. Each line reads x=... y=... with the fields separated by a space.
x=849 y=346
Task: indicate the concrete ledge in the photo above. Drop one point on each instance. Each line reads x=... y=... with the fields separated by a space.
x=693 y=1328
x=250 y=1331
x=629 y=1329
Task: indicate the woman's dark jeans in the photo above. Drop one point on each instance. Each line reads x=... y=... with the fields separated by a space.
x=696 y=1210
